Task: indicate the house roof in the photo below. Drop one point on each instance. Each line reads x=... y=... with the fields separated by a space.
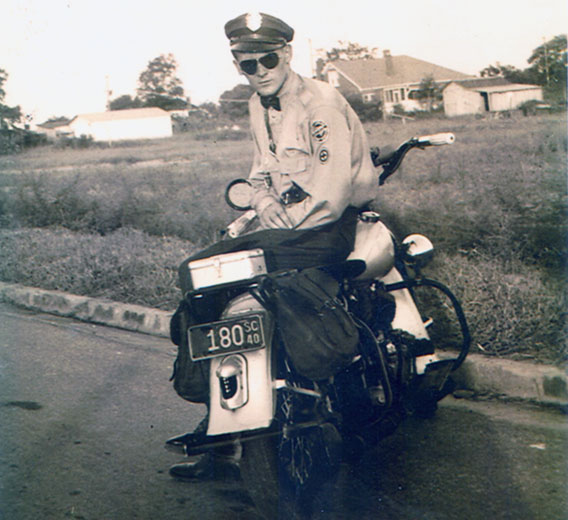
x=54 y=123
x=116 y=115
x=475 y=83
x=390 y=71
x=507 y=88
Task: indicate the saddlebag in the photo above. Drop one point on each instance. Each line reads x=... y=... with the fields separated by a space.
x=190 y=380
x=319 y=335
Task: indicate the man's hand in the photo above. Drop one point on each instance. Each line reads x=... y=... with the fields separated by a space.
x=274 y=216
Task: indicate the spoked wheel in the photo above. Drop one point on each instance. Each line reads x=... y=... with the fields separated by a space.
x=284 y=474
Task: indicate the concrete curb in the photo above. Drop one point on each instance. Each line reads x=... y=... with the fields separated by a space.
x=525 y=381
x=93 y=310
x=522 y=380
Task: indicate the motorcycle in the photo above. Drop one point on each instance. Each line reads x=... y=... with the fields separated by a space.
x=295 y=431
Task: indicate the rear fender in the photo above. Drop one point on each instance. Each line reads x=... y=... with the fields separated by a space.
x=254 y=405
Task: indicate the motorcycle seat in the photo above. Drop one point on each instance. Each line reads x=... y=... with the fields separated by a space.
x=347 y=270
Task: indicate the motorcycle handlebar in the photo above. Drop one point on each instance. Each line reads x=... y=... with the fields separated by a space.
x=391 y=161
x=437 y=139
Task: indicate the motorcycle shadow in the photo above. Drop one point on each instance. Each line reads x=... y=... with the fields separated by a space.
x=451 y=466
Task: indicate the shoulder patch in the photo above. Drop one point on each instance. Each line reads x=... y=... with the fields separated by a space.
x=323 y=155
x=320 y=131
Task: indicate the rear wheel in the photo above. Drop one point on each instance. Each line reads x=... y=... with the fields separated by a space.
x=284 y=474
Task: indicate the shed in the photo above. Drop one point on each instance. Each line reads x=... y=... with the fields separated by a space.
x=118 y=125
x=476 y=96
x=498 y=99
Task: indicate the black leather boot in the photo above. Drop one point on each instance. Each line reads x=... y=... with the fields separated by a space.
x=219 y=464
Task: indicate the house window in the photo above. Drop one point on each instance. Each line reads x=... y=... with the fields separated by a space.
x=389 y=96
x=333 y=78
x=402 y=96
x=395 y=96
x=367 y=98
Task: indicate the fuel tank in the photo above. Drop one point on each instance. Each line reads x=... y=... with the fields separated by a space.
x=373 y=244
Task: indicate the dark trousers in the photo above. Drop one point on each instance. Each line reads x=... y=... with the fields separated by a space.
x=289 y=248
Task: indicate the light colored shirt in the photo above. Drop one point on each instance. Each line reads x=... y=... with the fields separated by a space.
x=320 y=145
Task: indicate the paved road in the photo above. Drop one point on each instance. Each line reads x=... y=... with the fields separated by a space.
x=85 y=409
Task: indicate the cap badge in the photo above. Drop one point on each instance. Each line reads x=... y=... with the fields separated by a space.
x=254 y=21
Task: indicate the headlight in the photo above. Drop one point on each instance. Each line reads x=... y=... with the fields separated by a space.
x=418 y=250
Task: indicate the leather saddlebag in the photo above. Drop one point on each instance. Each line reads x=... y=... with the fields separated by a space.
x=319 y=335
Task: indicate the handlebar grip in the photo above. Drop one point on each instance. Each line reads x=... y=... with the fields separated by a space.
x=437 y=139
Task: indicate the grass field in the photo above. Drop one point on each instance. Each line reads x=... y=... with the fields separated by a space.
x=116 y=222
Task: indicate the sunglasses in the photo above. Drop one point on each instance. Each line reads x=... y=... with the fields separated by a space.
x=269 y=61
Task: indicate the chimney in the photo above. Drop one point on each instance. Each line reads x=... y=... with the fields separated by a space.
x=388 y=62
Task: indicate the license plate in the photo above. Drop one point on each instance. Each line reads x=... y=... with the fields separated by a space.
x=226 y=337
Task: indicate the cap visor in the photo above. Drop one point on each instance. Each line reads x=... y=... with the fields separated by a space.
x=256 y=46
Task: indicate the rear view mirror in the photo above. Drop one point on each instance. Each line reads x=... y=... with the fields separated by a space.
x=238 y=194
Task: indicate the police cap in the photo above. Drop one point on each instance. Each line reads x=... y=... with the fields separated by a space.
x=257 y=32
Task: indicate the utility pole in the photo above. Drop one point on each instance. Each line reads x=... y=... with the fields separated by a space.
x=546 y=61
x=108 y=92
x=312 y=59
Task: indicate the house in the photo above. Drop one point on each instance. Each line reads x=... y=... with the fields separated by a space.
x=54 y=128
x=393 y=80
x=480 y=95
x=118 y=125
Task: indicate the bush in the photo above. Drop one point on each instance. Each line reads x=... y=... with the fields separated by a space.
x=366 y=111
x=16 y=140
x=223 y=134
x=127 y=265
x=82 y=142
x=163 y=204
x=510 y=309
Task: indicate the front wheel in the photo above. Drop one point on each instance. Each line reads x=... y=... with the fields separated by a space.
x=284 y=474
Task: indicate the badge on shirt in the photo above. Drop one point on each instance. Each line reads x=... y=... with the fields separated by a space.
x=320 y=131
x=323 y=155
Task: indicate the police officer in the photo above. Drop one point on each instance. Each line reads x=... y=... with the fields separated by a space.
x=311 y=160
x=311 y=170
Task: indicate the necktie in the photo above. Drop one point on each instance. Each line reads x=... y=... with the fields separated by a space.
x=270 y=101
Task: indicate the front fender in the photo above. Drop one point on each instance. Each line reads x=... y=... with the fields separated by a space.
x=407 y=317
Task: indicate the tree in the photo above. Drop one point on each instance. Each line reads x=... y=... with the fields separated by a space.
x=349 y=51
x=234 y=103
x=209 y=109
x=508 y=72
x=8 y=115
x=159 y=86
x=345 y=51
x=429 y=92
x=124 y=102
x=548 y=63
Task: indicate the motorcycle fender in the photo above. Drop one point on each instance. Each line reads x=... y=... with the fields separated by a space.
x=408 y=318
x=406 y=315
x=256 y=409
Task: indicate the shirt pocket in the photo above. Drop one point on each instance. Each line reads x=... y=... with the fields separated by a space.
x=294 y=161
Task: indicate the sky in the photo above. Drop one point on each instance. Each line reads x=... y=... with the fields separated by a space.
x=62 y=56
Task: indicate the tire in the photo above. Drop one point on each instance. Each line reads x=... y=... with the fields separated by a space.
x=284 y=476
